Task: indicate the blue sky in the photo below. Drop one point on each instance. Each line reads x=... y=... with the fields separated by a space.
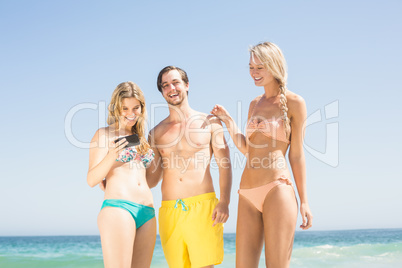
x=59 y=56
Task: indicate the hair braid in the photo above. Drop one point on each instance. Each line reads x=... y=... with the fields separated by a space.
x=284 y=108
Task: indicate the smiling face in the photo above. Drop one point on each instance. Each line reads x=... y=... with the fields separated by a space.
x=259 y=73
x=174 y=90
x=130 y=111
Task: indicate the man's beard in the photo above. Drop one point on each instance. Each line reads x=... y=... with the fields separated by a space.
x=175 y=103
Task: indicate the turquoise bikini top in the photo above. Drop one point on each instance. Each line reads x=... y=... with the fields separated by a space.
x=130 y=154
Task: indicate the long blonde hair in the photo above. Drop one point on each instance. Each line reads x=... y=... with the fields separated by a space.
x=273 y=60
x=129 y=90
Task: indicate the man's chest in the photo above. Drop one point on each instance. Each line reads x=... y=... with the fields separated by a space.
x=184 y=139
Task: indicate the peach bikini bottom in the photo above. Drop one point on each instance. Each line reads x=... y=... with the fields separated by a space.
x=257 y=195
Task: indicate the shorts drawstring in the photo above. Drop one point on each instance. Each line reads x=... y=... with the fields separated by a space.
x=183 y=205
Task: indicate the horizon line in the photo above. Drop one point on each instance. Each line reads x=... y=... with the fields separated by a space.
x=297 y=231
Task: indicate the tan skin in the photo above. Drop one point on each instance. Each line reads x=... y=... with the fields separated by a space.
x=123 y=245
x=184 y=143
x=276 y=224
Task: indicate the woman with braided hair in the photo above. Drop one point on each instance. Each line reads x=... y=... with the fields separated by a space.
x=267 y=209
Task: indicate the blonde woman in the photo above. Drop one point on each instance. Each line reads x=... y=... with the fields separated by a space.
x=126 y=221
x=267 y=209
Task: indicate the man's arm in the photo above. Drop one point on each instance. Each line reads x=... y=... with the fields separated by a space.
x=222 y=157
x=154 y=171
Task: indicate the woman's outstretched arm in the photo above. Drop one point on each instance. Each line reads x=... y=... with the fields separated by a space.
x=238 y=138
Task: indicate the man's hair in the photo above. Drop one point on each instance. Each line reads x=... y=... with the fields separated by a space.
x=168 y=69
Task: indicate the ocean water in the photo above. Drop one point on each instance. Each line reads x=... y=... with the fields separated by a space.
x=349 y=248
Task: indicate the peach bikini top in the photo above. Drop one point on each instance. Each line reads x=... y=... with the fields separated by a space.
x=274 y=128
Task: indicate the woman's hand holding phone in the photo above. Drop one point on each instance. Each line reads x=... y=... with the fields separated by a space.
x=116 y=147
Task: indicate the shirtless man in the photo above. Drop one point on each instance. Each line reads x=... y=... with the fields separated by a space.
x=191 y=217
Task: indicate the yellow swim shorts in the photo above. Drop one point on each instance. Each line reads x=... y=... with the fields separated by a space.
x=187 y=236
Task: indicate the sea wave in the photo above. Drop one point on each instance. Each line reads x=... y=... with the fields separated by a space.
x=360 y=255
x=346 y=249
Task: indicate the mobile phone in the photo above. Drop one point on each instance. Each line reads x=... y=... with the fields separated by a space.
x=133 y=140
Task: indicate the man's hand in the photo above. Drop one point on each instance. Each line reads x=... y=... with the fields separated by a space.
x=220 y=213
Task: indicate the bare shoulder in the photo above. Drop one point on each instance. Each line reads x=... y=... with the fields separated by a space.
x=296 y=106
x=207 y=119
x=101 y=138
x=196 y=115
x=101 y=134
x=214 y=122
x=254 y=101
x=159 y=129
x=212 y=119
x=295 y=101
x=252 y=105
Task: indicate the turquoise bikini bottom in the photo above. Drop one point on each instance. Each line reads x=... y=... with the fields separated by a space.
x=140 y=213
